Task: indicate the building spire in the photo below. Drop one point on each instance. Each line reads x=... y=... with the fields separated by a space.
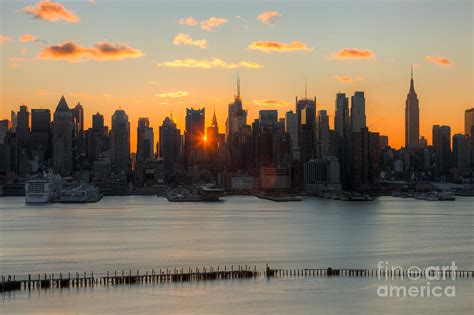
x=412 y=83
x=214 y=119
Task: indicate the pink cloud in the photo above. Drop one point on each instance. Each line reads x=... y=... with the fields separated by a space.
x=439 y=60
x=268 y=17
x=27 y=38
x=212 y=23
x=51 y=11
x=270 y=46
x=353 y=53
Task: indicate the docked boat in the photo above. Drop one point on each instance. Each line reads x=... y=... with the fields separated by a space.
x=82 y=193
x=437 y=196
x=43 y=189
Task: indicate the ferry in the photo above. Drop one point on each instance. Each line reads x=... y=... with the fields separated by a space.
x=81 y=193
x=43 y=189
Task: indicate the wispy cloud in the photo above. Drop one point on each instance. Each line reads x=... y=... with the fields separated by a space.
x=353 y=53
x=91 y=1
x=271 y=46
x=15 y=62
x=189 y=21
x=273 y=103
x=154 y=83
x=208 y=64
x=439 y=60
x=27 y=38
x=208 y=25
x=212 y=23
x=268 y=17
x=185 y=39
x=4 y=39
x=101 y=51
x=175 y=94
x=347 y=79
x=51 y=11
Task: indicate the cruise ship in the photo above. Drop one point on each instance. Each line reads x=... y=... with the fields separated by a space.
x=43 y=189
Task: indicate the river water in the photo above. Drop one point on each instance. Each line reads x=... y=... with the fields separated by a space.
x=146 y=232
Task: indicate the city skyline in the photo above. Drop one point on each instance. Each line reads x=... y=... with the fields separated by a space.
x=152 y=83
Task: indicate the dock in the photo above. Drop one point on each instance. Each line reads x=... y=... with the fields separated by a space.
x=165 y=276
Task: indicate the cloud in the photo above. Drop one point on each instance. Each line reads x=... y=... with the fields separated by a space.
x=439 y=60
x=15 y=62
x=4 y=39
x=353 y=53
x=175 y=94
x=185 y=39
x=347 y=79
x=27 y=38
x=101 y=51
x=51 y=11
x=154 y=83
x=274 y=103
x=189 y=21
x=268 y=17
x=212 y=22
x=91 y=1
x=208 y=64
x=270 y=46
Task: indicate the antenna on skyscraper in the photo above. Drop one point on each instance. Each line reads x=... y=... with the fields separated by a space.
x=238 y=85
x=305 y=87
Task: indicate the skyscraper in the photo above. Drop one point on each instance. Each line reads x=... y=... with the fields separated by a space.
x=194 y=135
x=412 y=116
x=62 y=130
x=40 y=133
x=442 y=149
x=120 y=137
x=237 y=116
x=323 y=134
x=145 y=140
x=212 y=139
x=291 y=127
x=342 y=119
x=78 y=120
x=469 y=122
x=461 y=153
x=358 y=119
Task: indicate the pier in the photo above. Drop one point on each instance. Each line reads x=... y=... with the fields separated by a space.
x=163 y=276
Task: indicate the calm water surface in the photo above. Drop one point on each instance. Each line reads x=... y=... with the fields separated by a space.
x=145 y=232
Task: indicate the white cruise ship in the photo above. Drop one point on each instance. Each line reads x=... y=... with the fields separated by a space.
x=43 y=189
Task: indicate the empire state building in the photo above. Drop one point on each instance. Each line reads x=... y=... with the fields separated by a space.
x=412 y=117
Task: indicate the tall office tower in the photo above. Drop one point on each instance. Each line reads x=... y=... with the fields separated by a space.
x=98 y=122
x=96 y=138
x=236 y=116
x=268 y=118
x=212 y=139
x=40 y=134
x=5 y=126
x=78 y=120
x=342 y=126
x=13 y=120
x=307 y=136
x=291 y=127
x=442 y=149
x=194 y=136
x=62 y=131
x=412 y=117
x=323 y=134
x=145 y=140
x=358 y=119
x=461 y=153
x=342 y=119
x=23 y=126
x=469 y=122
x=120 y=137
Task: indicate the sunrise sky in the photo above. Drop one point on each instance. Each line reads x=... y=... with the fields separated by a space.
x=153 y=57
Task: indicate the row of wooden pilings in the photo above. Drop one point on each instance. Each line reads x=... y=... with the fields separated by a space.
x=50 y=281
x=11 y=283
